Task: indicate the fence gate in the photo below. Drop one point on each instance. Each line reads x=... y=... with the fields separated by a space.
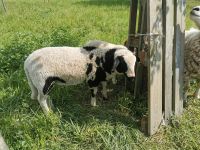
x=162 y=22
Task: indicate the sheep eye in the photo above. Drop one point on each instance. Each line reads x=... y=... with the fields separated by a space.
x=196 y=9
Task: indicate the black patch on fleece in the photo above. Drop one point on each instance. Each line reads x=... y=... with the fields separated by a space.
x=98 y=61
x=109 y=60
x=100 y=76
x=91 y=56
x=137 y=59
x=89 y=48
x=102 y=60
x=50 y=82
x=89 y=68
x=122 y=66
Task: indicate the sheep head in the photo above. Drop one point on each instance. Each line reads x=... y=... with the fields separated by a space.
x=195 y=15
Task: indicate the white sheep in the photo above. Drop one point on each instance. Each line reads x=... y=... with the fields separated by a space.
x=74 y=65
x=192 y=52
x=3 y=145
x=195 y=15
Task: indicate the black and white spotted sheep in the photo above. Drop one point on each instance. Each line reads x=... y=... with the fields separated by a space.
x=74 y=65
x=192 y=53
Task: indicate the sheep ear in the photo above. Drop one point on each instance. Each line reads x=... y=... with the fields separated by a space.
x=116 y=63
x=117 y=60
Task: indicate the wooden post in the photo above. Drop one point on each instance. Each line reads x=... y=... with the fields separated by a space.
x=154 y=22
x=165 y=28
x=132 y=21
x=168 y=31
x=142 y=28
x=178 y=56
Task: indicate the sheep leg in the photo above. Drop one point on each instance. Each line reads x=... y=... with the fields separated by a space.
x=34 y=91
x=50 y=103
x=114 y=80
x=93 y=98
x=42 y=99
x=186 y=87
x=197 y=92
x=104 y=90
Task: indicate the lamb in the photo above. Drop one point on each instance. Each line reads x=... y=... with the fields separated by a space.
x=92 y=63
x=91 y=45
x=192 y=52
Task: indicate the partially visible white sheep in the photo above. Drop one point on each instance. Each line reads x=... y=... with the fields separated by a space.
x=3 y=145
x=195 y=15
x=192 y=52
x=71 y=66
x=63 y=65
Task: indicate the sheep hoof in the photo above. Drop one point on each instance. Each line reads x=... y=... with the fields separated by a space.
x=48 y=113
x=50 y=104
x=93 y=102
x=197 y=94
x=93 y=105
x=105 y=99
x=114 y=81
x=109 y=90
x=33 y=97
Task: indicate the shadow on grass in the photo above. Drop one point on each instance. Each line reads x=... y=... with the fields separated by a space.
x=73 y=120
x=104 y=2
x=76 y=106
x=72 y=102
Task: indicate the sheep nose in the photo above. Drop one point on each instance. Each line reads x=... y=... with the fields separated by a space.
x=132 y=74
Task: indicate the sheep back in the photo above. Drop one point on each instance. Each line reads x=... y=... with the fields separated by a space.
x=66 y=63
x=192 y=53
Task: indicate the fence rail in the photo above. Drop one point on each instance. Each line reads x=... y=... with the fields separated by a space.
x=163 y=24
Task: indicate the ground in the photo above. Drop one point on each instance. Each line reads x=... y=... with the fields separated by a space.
x=32 y=24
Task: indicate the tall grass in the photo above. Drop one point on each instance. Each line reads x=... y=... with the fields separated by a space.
x=32 y=24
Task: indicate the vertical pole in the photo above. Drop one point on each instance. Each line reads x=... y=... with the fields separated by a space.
x=142 y=20
x=168 y=31
x=132 y=20
x=154 y=11
x=178 y=56
x=142 y=28
x=132 y=28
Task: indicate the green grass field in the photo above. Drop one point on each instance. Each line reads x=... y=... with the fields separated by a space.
x=33 y=24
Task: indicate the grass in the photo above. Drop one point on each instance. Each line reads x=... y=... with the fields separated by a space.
x=29 y=25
